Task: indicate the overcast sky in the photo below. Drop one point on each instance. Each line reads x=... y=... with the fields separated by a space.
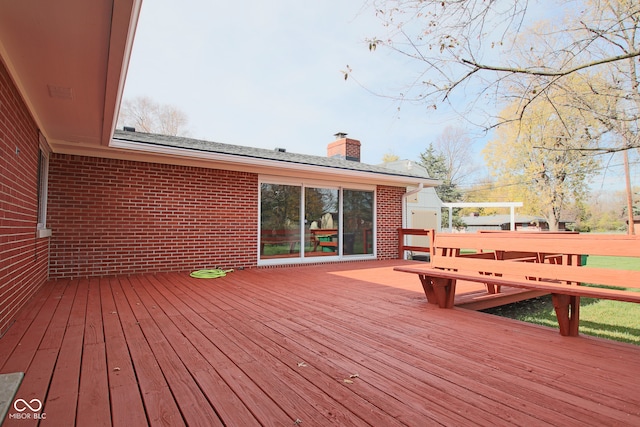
x=269 y=74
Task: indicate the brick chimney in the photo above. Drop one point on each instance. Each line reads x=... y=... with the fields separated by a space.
x=344 y=148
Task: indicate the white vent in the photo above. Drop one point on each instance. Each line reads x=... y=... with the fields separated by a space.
x=60 y=92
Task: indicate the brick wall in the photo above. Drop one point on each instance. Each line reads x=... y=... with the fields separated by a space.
x=119 y=217
x=23 y=257
x=122 y=217
x=389 y=219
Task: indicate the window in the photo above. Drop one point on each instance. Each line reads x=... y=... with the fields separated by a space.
x=43 y=184
x=279 y=221
x=322 y=221
x=306 y=221
x=357 y=233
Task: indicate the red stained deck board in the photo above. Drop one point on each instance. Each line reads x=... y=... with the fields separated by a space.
x=93 y=331
x=226 y=369
x=232 y=347
x=377 y=334
x=229 y=405
x=24 y=319
x=34 y=385
x=271 y=375
x=127 y=408
x=62 y=397
x=400 y=409
x=168 y=344
x=28 y=338
x=160 y=406
x=557 y=359
x=393 y=380
x=93 y=394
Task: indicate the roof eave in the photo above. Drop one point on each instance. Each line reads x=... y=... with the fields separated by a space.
x=176 y=155
x=125 y=15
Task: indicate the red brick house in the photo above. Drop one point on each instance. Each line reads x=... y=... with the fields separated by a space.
x=79 y=199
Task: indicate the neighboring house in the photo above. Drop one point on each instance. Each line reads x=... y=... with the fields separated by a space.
x=424 y=207
x=503 y=222
x=78 y=199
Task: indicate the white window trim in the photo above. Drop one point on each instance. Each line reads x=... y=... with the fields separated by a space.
x=43 y=187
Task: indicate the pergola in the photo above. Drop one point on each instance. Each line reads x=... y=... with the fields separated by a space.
x=511 y=205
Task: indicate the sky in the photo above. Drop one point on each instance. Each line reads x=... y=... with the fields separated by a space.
x=270 y=74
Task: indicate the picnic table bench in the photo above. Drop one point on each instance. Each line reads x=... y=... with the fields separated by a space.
x=325 y=238
x=552 y=263
x=280 y=237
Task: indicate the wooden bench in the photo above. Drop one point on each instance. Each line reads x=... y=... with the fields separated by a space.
x=557 y=269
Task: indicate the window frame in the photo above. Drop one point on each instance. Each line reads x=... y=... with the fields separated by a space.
x=304 y=183
x=42 y=187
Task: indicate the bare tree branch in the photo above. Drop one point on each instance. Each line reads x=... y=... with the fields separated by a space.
x=542 y=73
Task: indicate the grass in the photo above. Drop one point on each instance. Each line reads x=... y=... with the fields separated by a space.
x=613 y=320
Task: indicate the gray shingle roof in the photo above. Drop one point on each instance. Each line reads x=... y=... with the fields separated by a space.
x=260 y=153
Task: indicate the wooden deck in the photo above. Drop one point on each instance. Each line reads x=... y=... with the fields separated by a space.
x=350 y=344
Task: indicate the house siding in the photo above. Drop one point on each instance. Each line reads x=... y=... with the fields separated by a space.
x=122 y=217
x=389 y=219
x=23 y=257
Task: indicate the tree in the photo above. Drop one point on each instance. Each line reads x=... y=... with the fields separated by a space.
x=605 y=212
x=542 y=153
x=477 y=46
x=485 y=189
x=146 y=115
x=455 y=147
x=436 y=164
x=390 y=157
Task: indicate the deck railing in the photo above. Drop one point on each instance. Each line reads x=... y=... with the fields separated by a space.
x=403 y=246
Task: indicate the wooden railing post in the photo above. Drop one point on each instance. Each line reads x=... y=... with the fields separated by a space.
x=403 y=232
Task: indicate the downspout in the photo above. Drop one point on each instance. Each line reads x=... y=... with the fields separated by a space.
x=405 y=208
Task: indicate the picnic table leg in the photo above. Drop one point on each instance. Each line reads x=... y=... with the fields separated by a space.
x=428 y=289
x=439 y=291
x=568 y=312
x=445 y=290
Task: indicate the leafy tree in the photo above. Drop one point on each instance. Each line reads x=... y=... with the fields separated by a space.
x=147 y=115
x=485 y=190
x=542 y=153
x=437 y=166
x=389 y=157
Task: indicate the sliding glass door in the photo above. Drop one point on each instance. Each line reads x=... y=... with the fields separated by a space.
x=357 y=233
x=307 y=221
x=322 y=221
x=279 y=221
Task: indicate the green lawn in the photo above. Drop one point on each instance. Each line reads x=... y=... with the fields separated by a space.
x=603 y=318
